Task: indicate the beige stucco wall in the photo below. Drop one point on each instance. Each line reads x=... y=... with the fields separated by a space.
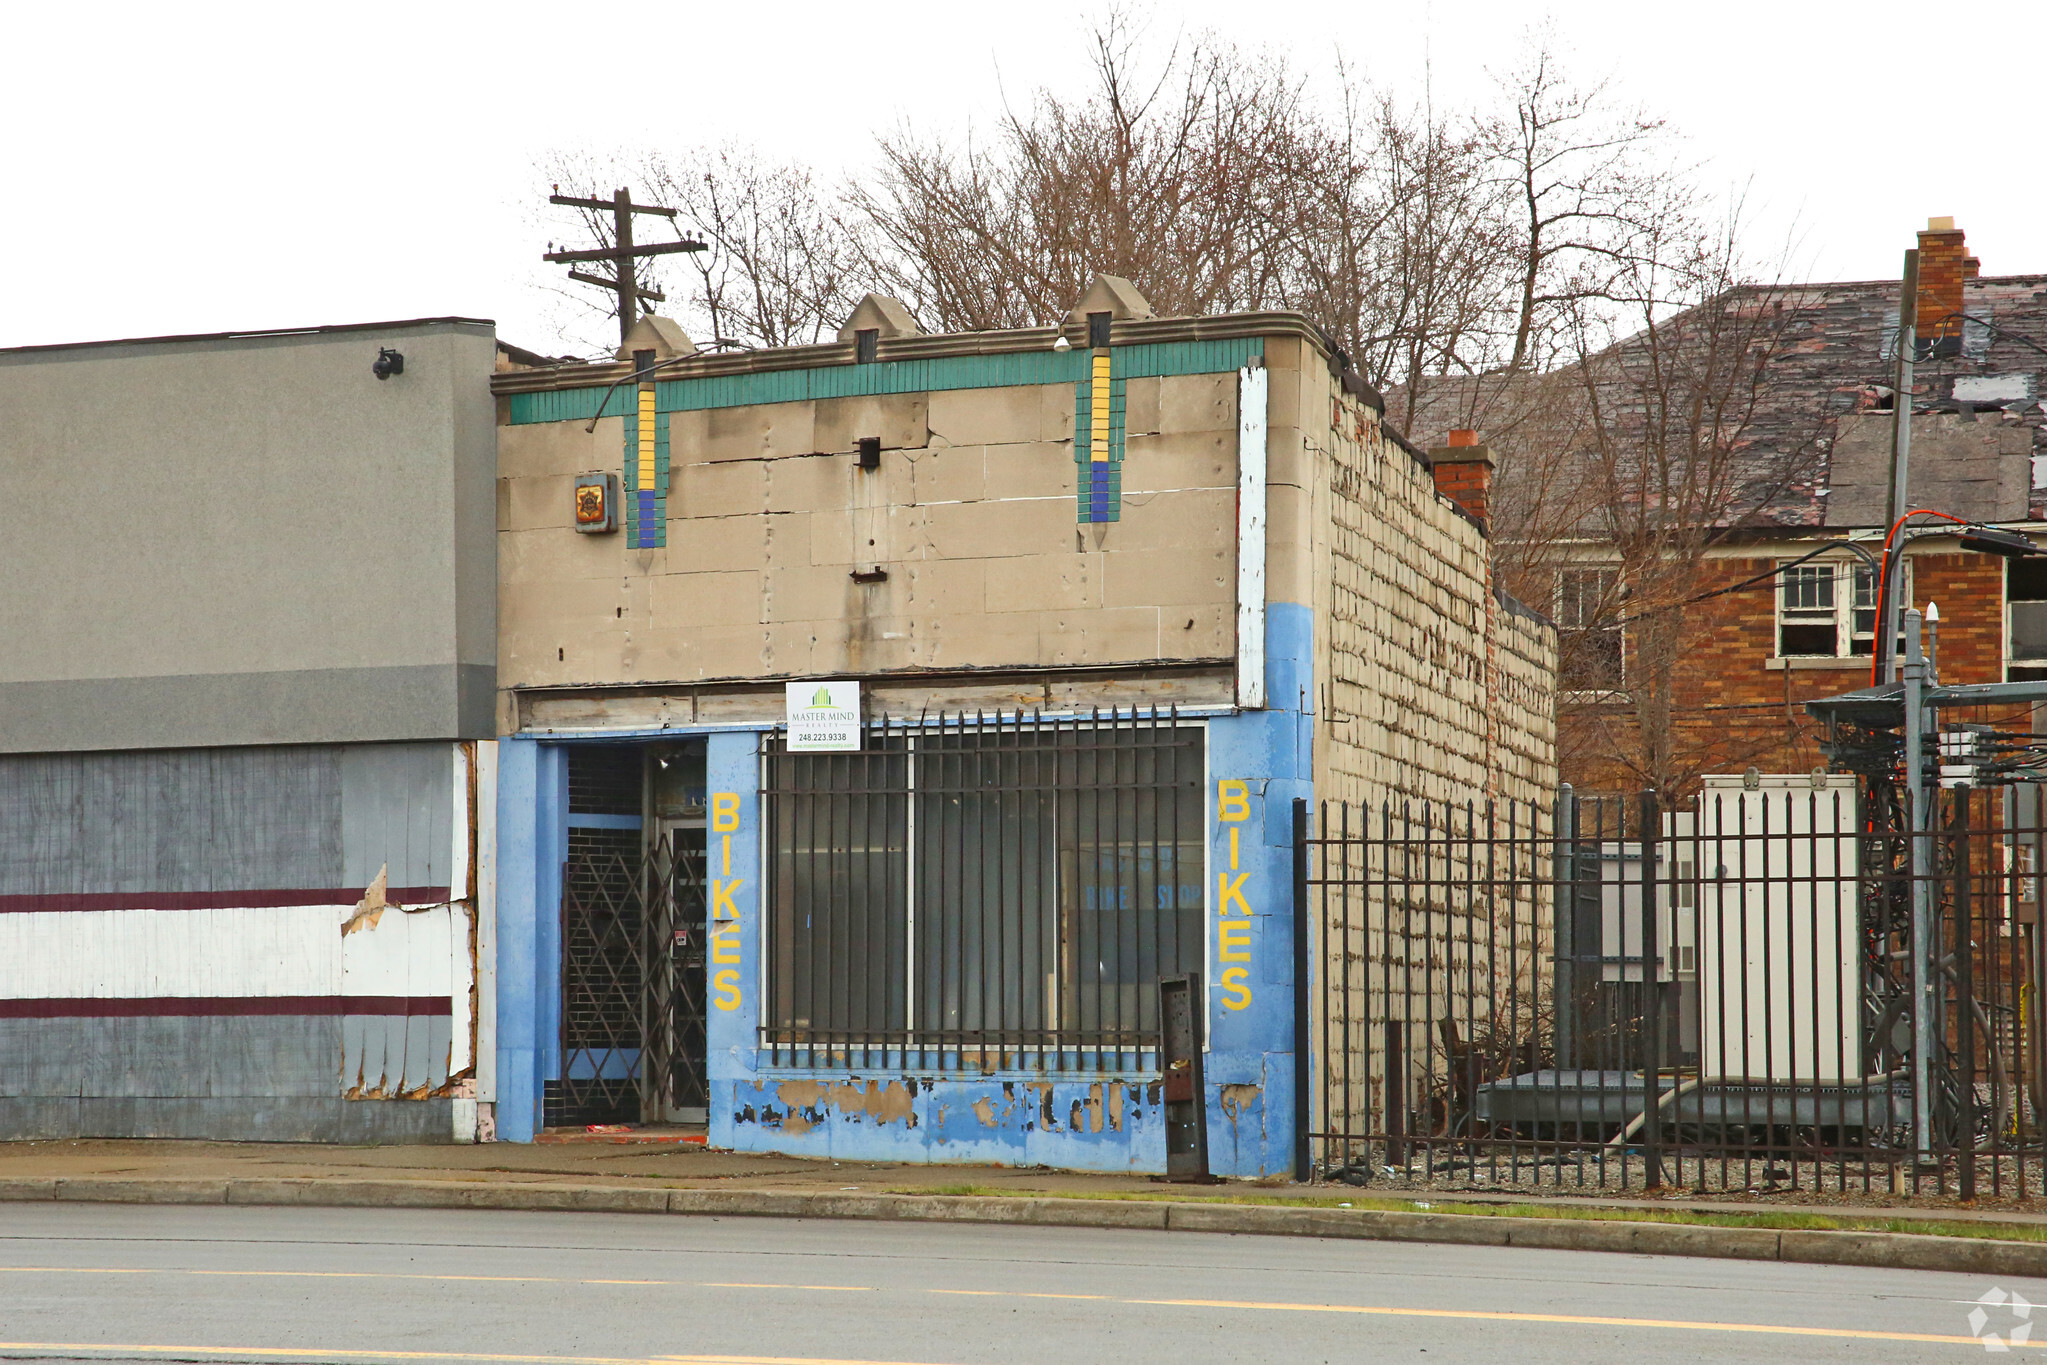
x=972 y=514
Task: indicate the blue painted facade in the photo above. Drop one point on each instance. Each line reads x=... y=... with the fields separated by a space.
x=1258 y=763
x=1250 y=976
x=533 y=843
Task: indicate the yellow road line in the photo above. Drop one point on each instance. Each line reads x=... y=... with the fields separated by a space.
x=1239 y=1305
x=1573 y=1320
x=1019 y=1294
x=717 y=1284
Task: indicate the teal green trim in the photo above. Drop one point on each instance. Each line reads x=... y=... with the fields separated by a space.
x=895 y=376
x=570 y=405
x=656 y=536
x=630 y=481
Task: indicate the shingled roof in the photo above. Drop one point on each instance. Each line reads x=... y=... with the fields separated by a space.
x=1979 y=431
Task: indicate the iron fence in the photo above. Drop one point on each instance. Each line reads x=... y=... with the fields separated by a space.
x=1601 y=992
x=981 y=892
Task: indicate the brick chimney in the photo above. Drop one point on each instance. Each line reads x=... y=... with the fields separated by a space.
x=1944 y=266
x=1464 y=474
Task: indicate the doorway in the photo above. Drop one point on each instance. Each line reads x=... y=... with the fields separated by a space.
x=633 y=938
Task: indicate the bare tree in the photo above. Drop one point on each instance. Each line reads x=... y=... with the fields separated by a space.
x=1673 y=426
x=1402 y=251
x=1585 y=182
x=1183 y=175
x=780 y=268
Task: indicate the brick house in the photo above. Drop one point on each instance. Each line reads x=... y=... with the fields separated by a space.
x=1789 y=633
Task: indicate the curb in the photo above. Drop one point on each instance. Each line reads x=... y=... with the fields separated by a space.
x=1876 y=1250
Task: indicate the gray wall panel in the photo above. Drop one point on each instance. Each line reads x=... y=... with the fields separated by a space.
x=173 y=1057
x=330 y=1119
x=176 y=820
x=39 y=1119
x=264 y=513
x=34 y=1061
x=48 y=836
x=335 y=705
x=288 y=1055
x=397 y=804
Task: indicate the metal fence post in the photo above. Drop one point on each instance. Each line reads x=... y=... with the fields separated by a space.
x=1564 y=937
x=1652 y=1001
x=1966 y=941
x=1304 y=1108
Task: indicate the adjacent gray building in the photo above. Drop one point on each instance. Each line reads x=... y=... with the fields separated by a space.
x=247 y=670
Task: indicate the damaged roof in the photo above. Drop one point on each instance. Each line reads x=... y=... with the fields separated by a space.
x=1816 y=452
x=1978 y=420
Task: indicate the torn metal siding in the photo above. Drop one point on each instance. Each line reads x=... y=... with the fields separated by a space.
x=423 y=955
x=390 y=953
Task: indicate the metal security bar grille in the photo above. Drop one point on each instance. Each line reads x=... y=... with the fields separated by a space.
x=632 y=1018
x=1603 y=993
x=983 y=892
x=603 y=928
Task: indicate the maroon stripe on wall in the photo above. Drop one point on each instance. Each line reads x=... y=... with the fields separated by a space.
x=214 y=900
x=142 y=1007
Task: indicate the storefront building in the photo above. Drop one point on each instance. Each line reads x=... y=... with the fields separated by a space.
x=880 y=723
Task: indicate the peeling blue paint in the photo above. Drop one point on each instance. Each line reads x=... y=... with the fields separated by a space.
x=1250 y=1049
x=1105 y=1123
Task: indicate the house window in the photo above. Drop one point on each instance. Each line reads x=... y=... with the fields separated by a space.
x=983 y=890
x=1826 y=611
x=1590 y=656
x=2025 y=596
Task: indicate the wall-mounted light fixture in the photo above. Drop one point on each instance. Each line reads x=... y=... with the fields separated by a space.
x=870 y=452
x=388 y=363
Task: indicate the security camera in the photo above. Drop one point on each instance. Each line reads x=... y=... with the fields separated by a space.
x=388 y=363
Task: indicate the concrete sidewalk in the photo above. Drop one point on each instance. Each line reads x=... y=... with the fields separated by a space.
x=671 y=1178
x=663 y=1165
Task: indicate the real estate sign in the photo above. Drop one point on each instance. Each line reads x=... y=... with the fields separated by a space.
x=823 y=716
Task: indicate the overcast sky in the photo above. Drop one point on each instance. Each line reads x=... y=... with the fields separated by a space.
x=200 y=167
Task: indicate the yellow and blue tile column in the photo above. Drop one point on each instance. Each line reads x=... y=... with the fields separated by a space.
x=1098 y=439
x=646 y=473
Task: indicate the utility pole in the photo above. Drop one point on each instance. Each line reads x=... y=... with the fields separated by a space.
x=1901 y=459
x=621 y=253
x=1919 y=817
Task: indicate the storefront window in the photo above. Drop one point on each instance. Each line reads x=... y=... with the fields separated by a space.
x=984 y=888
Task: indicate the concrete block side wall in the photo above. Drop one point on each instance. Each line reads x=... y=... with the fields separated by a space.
x=1433 y=692
x=1432 y=689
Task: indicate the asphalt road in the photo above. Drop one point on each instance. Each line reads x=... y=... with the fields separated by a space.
x=360 y=1287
